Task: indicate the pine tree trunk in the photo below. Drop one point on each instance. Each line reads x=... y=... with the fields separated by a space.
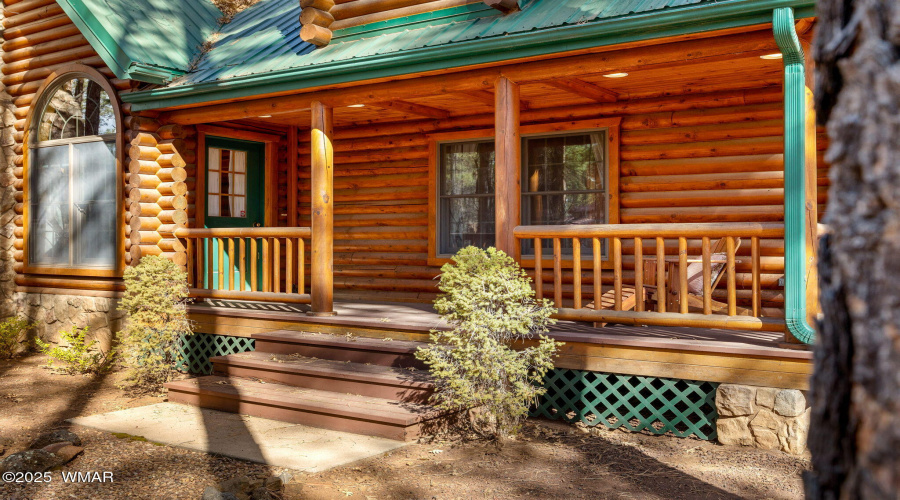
x=855 y=429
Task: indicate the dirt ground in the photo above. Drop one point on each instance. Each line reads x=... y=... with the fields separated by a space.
x=549 y=459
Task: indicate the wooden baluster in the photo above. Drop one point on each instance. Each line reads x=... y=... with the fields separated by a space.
x=639 y=274
x=242 y=270
x=210 y=275
x=598 y=277
x=254 y=265
x=754 y=257
x=557 y=273
x=617 y=273
x=662 y=292
x=289 y=270
x=276 y=265
x=301 y=262
x=230 y=265
x=682 y=275
x=538 y=269
x=732 y=288
x=266 y=268
x=576 y=270
x=221 y=263
x=189 y=243
x=707 y=277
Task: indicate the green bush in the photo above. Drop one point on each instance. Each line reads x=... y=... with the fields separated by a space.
x=155 y=296
x=490 y=304
x=78 y=355
x=12 y=334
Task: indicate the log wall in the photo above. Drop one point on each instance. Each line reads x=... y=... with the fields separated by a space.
x=713 y=157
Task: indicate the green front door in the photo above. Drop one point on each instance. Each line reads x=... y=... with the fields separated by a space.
x=235 y=197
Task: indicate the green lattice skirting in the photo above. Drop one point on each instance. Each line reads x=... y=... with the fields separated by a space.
x=658 y=405
x=199 y=347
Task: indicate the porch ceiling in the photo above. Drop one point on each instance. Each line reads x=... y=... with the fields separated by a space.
x=738 y=69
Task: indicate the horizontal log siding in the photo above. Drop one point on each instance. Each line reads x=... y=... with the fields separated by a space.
x=683 y=159
x=39 y=39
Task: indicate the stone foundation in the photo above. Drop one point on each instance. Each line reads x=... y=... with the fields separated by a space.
x=762 y=417
x=52 y=313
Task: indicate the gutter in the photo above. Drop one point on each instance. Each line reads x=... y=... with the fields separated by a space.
x=795 y=276
x=669 y=22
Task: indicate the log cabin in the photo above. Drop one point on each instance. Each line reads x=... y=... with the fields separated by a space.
x=311 y=164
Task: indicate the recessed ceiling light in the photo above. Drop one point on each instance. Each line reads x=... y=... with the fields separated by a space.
x=771 y=56
x=356 y=106
x=616 y=75
x=264 y=116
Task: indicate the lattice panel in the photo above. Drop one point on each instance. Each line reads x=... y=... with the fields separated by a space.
x=199 y=347
x=658 y=405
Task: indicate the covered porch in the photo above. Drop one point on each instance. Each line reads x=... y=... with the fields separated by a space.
x=686 y=234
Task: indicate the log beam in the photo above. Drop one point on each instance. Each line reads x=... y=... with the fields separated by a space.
x=508 y=154
x=414 y=109
x=585 y=89
x=486 y=97
x=322 y=197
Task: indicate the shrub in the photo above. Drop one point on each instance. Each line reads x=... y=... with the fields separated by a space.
x=12 y=334
x=78 y=355
x=490 y=304
x=156 y=292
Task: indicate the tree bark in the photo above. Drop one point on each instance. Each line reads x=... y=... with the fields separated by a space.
x=855 y=429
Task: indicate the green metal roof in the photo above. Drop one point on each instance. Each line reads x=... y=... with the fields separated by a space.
x=147 y=40
x=260 y=51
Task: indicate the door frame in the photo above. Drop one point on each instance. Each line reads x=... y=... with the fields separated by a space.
x=270 y=162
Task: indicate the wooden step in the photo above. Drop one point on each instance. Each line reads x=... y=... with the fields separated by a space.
x=325 y=409
x=396 y=353
x=400 y=384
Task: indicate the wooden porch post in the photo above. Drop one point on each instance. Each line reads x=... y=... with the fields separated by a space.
x=507 y=141
x=322 y=194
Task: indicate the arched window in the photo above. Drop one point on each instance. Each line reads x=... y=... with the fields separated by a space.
x=72 y=176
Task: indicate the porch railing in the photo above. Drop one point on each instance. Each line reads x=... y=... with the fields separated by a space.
x=659 y=288
x=260 y=263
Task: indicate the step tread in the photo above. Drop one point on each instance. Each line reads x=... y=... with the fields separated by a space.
x=293 y=363
x=344 y=342
x=347 y=405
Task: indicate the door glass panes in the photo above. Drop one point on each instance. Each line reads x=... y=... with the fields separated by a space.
x=227 y=183
x=466 y=198
x=564 y=183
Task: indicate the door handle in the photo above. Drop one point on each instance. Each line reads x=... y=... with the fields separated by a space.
x=257 y=224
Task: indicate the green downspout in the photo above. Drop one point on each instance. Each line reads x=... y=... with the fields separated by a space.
x=795 y=276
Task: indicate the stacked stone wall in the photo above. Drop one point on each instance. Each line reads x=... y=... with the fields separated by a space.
x=762 y=417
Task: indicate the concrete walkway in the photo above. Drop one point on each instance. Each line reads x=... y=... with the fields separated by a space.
x=279 y=444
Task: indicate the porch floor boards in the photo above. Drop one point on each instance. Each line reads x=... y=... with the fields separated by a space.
x=420 y=318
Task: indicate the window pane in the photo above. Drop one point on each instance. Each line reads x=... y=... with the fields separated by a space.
x=78 y=108
x=466 y=221
x=49 y=193
x=546 y=209
x=214 y=204
x=467 y=168
x=94 y=204
x=565 y=163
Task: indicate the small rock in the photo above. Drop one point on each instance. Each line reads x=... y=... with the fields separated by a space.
x=57 y=436
x=68 y=453
x=53 y=448
x=274 y=483
x=29 y=461
x=765 y=397
x=211 y=493
x=765 y=419
x=790 y=403
x=261 y=494
x=765 y=439
x=734 y=431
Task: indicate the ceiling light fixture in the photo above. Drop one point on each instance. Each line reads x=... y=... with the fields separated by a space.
x=356 y=106
x=264 y=116
x=769 y=57
x=616 y=75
